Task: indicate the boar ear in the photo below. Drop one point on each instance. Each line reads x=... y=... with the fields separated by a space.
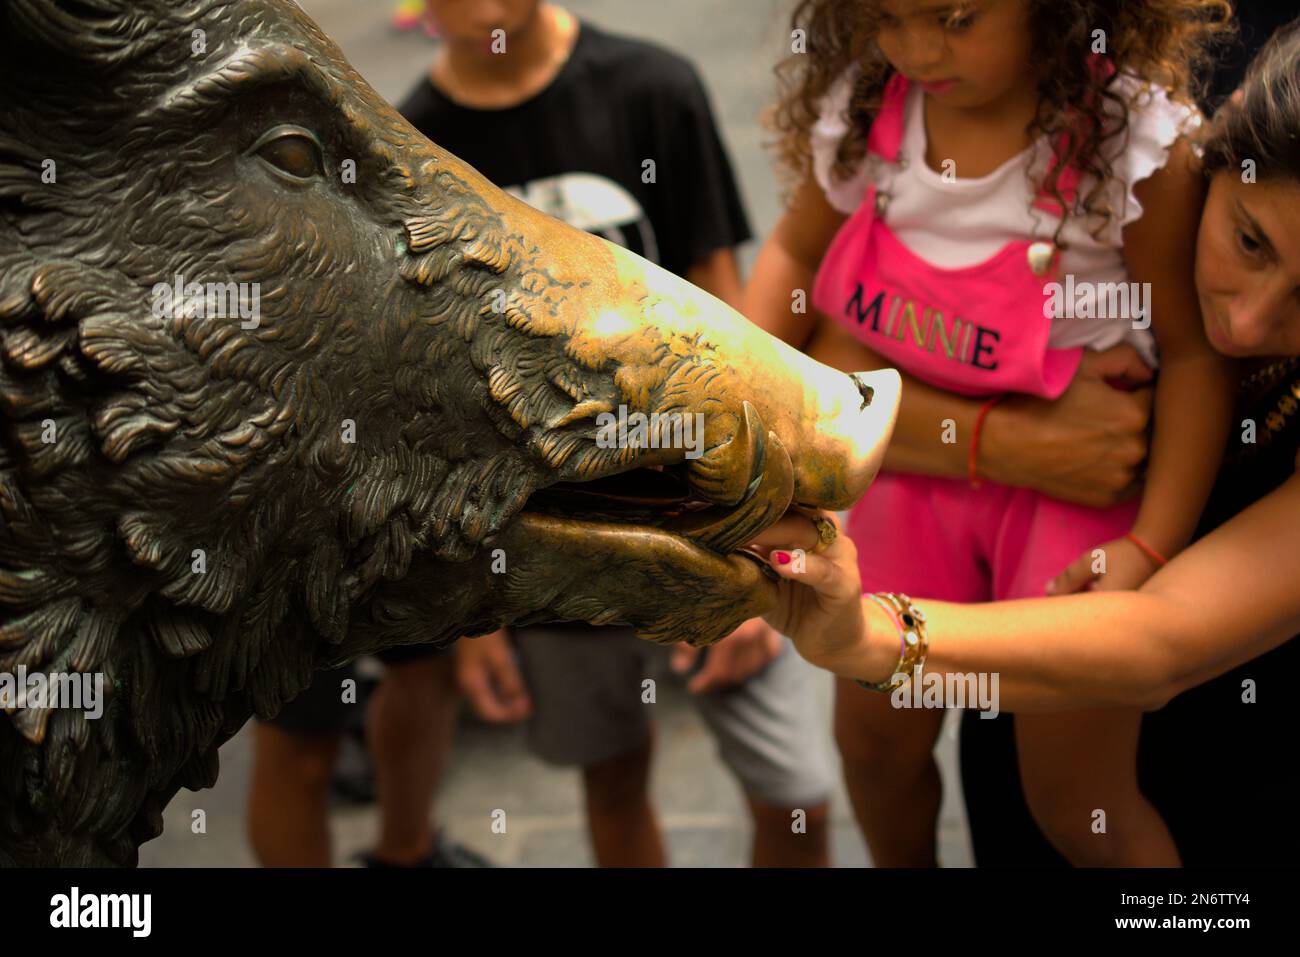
x=95 y=34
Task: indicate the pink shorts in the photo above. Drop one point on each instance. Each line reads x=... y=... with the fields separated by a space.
x=940 y=538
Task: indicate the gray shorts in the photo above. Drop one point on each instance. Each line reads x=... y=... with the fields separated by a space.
x=587 y=689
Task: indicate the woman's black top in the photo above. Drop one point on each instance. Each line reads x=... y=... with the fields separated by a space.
x=1219 y=762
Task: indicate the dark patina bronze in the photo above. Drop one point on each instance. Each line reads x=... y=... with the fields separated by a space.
x=282 y=383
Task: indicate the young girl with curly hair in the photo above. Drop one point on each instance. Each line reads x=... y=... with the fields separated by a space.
x=988 y=192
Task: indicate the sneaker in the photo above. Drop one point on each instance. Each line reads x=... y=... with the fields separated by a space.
x=445 y=853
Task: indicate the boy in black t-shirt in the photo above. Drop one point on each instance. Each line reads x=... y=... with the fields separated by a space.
x=616 y=136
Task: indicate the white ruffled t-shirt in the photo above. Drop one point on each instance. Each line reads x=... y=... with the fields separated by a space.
x=966 y=221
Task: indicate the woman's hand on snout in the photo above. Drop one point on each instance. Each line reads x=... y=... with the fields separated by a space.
x=819 y=603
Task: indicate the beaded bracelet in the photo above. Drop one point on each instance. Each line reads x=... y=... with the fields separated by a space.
x=1147 y=550
x=973 y=458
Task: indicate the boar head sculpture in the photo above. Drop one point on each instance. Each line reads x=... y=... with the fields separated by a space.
x=395 y=438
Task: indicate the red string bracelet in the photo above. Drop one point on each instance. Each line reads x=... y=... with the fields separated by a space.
x=972 y=473
x=1150 y=552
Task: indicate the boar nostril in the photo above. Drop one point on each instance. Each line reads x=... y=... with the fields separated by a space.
x=868 y=393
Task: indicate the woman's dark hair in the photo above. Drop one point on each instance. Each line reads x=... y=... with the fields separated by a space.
x=1260 y=123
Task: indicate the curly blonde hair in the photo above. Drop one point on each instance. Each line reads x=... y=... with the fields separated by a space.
x=1162 y=42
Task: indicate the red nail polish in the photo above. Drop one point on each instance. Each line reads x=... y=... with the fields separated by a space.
x=782 y=558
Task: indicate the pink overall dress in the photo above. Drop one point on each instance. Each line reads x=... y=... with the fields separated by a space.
x=981 y=330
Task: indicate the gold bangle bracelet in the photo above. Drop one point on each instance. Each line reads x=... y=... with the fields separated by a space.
x=914 y=643
x=886 y=686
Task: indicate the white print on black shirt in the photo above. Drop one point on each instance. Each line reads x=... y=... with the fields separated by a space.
x=594 y=203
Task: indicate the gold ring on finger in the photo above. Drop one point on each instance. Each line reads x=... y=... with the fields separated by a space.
x=826 y=533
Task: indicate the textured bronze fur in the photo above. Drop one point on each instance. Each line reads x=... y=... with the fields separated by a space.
x=182 y=508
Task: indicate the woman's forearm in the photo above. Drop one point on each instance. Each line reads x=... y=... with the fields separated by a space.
x=1121 y=662
x=1223 y=601
x=1083 y=447
x=934 y=432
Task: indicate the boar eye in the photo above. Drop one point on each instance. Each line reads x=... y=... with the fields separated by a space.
x=291 y=150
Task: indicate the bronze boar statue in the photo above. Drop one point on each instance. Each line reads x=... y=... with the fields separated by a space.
x=282 y=383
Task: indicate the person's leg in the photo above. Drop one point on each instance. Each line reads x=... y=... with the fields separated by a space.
x=409 y=725
x=591 y=710
x=925 y=537
x=293 y=762
x=778 y=842
x=891 y=774
x=624 y=830
x=1079 y=769
x=773 y=738
x=1079 y=772
x=288 y=803
x=1002 y=831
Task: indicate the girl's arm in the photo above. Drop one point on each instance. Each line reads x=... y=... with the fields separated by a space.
x=719 y=276
x=1194 y=390
x=1226 y=599
x=788 y=263
x=1084 y=447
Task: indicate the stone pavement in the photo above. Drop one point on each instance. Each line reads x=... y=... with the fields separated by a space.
x=733 y=43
